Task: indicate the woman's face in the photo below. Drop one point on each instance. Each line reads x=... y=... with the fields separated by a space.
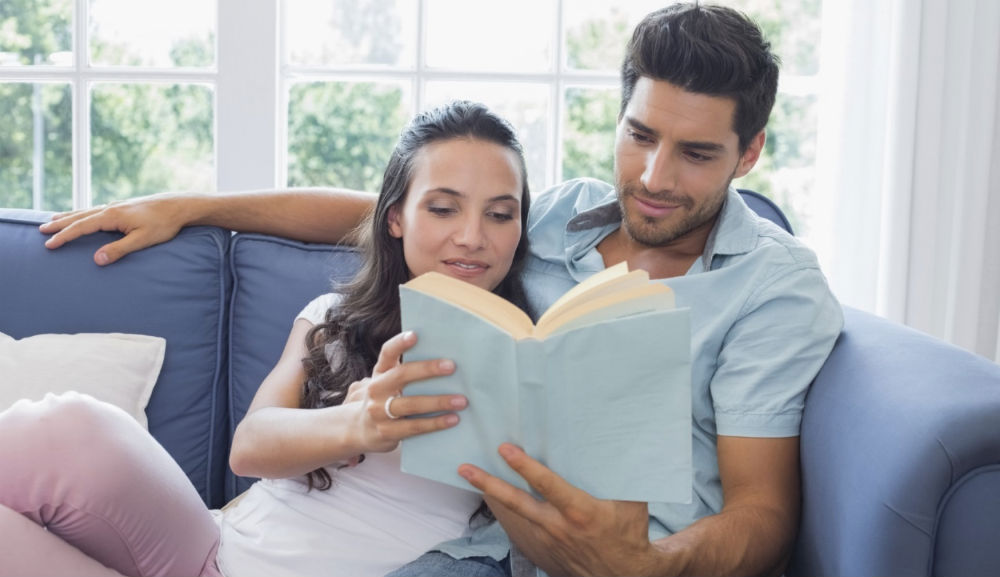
x=462 y=213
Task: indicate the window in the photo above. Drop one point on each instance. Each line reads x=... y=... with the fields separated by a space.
x=106 y=99
x=110 y=99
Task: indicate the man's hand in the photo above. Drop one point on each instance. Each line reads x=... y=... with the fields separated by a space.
x=144 y=222
x=570 y=532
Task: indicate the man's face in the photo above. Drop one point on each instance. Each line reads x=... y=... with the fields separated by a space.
x=675 y=155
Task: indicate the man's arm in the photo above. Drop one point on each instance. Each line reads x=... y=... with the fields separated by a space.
x=572 y=533
x=306 y=214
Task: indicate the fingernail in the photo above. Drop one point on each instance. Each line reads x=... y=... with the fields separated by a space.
x=447 y=365
x=409 y=336
x=451 y=420
x=465 y=472
x=458 y=402
x=102 y=258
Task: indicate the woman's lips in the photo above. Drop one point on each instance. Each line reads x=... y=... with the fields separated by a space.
x=464 y=268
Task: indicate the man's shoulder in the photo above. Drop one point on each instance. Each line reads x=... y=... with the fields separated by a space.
x=782 y=247
x=560 y=203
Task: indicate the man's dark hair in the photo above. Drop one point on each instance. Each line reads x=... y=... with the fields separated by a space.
x=711 y=50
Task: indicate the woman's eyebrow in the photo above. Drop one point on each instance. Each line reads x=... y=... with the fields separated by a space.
x=453 y=192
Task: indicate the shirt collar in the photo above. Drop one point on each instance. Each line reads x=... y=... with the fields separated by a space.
x=735 y=232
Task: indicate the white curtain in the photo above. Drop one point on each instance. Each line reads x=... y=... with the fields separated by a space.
x=908 y=163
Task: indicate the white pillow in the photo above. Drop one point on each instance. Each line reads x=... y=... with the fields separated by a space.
x=116 y=368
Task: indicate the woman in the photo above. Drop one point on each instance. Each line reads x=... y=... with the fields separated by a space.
x=333 y=500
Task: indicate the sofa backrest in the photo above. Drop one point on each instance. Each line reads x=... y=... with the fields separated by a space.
x=178 y=291
x=273 y=279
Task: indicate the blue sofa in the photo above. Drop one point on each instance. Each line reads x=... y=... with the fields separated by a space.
x=900 y=438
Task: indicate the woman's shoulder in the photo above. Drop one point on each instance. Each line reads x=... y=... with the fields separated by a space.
x=315 y=311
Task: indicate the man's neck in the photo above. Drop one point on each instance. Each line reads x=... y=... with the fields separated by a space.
x=659 y=261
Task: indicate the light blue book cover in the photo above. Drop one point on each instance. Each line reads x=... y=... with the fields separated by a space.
x=607 y=406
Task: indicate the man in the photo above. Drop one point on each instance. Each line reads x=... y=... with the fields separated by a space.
x=698 y=84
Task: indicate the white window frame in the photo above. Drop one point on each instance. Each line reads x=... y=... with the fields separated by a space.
x=251 y=83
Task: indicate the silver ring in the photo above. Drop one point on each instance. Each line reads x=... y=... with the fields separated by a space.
x=388 y=402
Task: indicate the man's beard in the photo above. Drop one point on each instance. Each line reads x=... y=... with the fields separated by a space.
x=654 y=232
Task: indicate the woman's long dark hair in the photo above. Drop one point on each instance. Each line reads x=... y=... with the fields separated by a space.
x=343 y=349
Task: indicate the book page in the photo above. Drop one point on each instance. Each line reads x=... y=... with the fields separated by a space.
x=492 y=308
x=634 y=300
x=598 y=279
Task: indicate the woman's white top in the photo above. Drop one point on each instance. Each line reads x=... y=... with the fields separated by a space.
x=372 y=520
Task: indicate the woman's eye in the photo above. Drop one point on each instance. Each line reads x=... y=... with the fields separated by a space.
x=500 y=216
x=440 y=210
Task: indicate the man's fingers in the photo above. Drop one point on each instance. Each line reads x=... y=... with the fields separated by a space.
x=79 y=225
x=114 y=251
x=61 y=220
x=550 y=486
x=518 y=501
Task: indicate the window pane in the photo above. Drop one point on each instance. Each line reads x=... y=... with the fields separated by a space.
x=525 y=106
x=351 y=32
x=36 y=166
x=490 y=36
x=785 y=172
x=147 y=138
x=589 y=133
x=793 y=28
x=597 y=31
x=178 y=33
x=36 y=32
x=342 y=133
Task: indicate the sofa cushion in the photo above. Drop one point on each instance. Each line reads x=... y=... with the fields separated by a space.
x=176 y=290
x=273 y=279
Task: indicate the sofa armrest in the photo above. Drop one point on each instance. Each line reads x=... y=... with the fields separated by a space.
x=900 y=457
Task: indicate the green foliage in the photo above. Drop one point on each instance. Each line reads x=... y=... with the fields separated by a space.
x=17 y=145
x=30 y=28
x=341 y=134
x=588 y=144
x=147 y=138
x=598 y=44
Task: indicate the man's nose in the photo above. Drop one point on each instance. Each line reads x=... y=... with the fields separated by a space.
x=660 y=172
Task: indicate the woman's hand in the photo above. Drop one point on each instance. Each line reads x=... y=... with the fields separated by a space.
x=380 y=422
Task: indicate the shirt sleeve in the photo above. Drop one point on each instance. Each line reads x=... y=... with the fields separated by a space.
x=315 y=311
x=772 y=354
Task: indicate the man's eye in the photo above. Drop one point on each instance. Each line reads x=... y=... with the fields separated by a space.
x=639 y=137
x=697 y=157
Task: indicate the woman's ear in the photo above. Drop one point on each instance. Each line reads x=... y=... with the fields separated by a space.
x=395 y=226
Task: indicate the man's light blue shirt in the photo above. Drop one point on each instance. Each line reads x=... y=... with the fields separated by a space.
x=763 y=321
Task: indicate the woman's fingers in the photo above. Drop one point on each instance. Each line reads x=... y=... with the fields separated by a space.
x=425 y=405
x=392 y=352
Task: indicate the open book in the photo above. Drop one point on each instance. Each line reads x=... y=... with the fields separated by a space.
x=599 y=389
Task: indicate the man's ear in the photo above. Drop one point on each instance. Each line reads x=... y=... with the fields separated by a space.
x=751 y=155
x=395 y=227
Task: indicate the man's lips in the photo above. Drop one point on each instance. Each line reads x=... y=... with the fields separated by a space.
x=654 y=208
